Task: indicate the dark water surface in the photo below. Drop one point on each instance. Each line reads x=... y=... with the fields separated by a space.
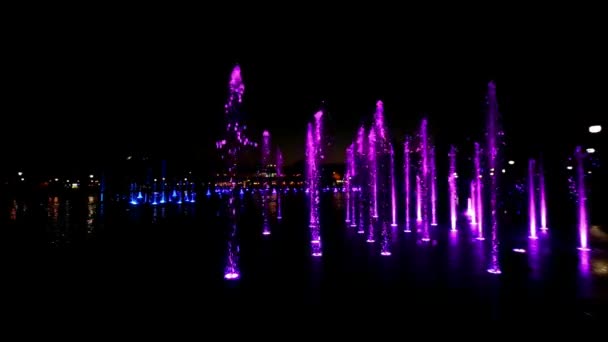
x=73 y=252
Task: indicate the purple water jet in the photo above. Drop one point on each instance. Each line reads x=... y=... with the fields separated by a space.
x=362 y=175
x=531 y=200
x=494 y=141
x=393 y=189
x=279 y=171
x=373 y=171
x=452 y=184
x=478 y=192
x=543 y=199
x=406 y=167
x=347 y=181
x=472 y=204
x=352 y=173
x=424 y=179
x=231 y=147
x=314 y=154
x=433 y=176
x=386 y=241
x=581 y=196
x=371 y=158
x=418 y=200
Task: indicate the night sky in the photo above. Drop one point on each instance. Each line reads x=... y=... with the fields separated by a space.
x=81 y=92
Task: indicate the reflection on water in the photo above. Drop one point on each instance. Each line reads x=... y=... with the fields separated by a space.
x=58 y=223
x=91 y=214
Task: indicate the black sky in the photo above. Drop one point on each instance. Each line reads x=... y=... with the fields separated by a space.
x=158 y=84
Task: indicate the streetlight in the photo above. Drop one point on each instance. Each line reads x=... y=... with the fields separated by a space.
x=91 y=176
x=590 y=150
x=511 y=162
x=595 y=129
x=19 y=173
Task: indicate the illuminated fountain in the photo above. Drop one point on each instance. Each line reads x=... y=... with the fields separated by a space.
x=531 y=200
x=478 y=192
x=362 y=176
x=373 y=172
x=265 y=223
x=473 y=203
x=371 y=154
x=543 y=199
x=433 y=186
x=452 y=184
x=418 y=200
x=495 y=137
x=231 y=149
x=352 y=173
x=347 y=181
x=581 y=197
x=393 y=189
x=406 y=171
x=313 y=160
x=279 y=170
x=424 y=178
x=386 y=240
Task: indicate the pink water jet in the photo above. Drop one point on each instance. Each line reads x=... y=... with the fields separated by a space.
x=406 y=167
x=433 y=176
x=531 y=200
x=478 y=192
x=543 y=199
x=452 y=184
x=581 y=196
x=393 y=189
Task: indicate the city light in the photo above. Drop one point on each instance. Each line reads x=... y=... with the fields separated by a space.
x=91 y=176
x=595 y=129
x=511 y=162
x=569 y=167
x=19 y=173
x=591 y=150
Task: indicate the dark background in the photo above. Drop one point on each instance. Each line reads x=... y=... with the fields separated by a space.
x=85 y=88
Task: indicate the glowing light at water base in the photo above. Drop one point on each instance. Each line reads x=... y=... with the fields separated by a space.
x=581 y=196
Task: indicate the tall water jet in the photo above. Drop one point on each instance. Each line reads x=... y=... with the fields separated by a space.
x=424 y=179
x=452 y=184
x=531 y=200
x=373 y=171
x=352 y=173
x=478 y=192
x=433 y=187
x=543 y=199
x=314 y=154
x=393 y=189
x=362 y=179
x=231 y=149
x=495 y=137
x=406 y=171
x=581 y=196
x=347 y=181
x=279 y=171
x=418 y=200
x=371 y=154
